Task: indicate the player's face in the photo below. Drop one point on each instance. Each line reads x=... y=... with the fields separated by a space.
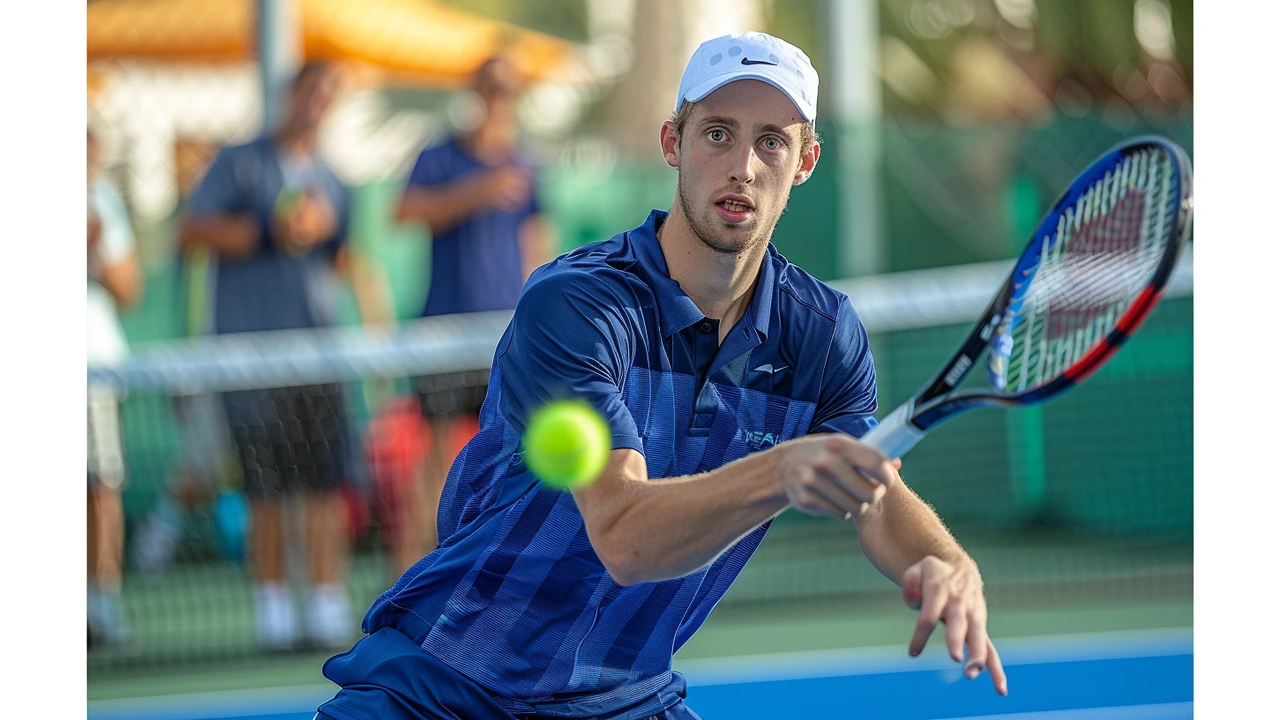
x=739 y=156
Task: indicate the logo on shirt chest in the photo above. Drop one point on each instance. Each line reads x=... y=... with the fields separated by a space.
x=757 y=439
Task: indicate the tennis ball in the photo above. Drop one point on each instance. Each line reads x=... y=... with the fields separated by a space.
x=566 y=444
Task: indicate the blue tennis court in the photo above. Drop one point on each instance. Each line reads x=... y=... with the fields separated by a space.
x=1107 y=676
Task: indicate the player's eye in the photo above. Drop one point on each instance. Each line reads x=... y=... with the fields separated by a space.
x=772 y=143
x=717 y=136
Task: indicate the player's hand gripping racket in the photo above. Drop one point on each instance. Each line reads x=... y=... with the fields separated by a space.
x=1097 y=265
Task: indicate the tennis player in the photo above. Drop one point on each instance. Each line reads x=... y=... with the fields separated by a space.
x=734 y=384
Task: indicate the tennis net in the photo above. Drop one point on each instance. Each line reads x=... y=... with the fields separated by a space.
x=1086 y=499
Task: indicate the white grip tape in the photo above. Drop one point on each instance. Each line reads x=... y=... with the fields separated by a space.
x=895 y=435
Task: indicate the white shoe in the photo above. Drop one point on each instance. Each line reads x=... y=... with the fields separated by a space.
x=277 y=618
x=329 y=621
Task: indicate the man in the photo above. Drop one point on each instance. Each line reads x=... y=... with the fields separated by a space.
x=115 y=282
x=701 y=346
x=477 y=196
x=275 y=217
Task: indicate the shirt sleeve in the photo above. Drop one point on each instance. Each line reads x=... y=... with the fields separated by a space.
x=218 y=191
x=847 y=402
x=431 y=168
x=569 y=340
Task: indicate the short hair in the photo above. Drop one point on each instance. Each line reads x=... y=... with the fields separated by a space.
x=808 y=135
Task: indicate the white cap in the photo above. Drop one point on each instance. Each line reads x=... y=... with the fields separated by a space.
x=751 y=56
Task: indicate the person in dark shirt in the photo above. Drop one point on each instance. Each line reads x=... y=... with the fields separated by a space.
x=275 y=218
x=477 y=195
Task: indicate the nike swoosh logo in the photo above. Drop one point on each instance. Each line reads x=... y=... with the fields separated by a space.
x=757 y=62
x=770 y=369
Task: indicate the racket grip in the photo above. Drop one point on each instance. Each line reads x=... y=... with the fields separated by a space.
x=895 y=435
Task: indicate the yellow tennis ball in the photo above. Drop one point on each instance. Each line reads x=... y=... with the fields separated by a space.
x=566 y=444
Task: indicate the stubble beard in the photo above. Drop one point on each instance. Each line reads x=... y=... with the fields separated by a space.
x=704 y=228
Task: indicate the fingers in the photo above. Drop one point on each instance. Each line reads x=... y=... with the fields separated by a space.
x=822 y=507
x=931 y=607
x=942 y=593
x=812 y=500
x=849 y=505
x=977 y=641
x=844 y=482
x=957 y=628
x=912 y=590
x=868 y=461
x=997 y=669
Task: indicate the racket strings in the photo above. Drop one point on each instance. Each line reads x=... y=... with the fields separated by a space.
x=1102 y=254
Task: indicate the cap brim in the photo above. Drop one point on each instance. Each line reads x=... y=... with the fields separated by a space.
x=706 y=87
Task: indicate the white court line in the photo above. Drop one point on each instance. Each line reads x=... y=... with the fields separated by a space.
x=1162 y=711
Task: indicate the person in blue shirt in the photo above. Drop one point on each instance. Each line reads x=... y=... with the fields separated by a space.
x=477 y=194
x=275 y=216
x=734 y=385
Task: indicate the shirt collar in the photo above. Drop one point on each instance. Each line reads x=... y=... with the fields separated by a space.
x=678 y=311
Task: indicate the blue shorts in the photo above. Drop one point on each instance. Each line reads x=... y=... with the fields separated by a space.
x=386 y=676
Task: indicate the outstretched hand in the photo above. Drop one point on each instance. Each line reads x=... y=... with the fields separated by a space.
x=952 y=593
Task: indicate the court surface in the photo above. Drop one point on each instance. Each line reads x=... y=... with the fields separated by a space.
x=1108 y=676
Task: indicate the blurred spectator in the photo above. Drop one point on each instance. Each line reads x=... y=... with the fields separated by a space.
x=275 y=217
x=477 y=195
x=115 y=282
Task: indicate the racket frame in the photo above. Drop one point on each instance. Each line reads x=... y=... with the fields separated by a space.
x=938 y=400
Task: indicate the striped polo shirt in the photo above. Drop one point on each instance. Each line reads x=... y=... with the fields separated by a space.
x=514 y=597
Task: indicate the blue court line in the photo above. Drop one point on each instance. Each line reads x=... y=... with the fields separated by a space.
x=1106 y=675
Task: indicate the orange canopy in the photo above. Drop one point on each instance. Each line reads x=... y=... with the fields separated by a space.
x=414 y=40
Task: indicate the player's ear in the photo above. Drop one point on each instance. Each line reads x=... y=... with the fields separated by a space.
x=669 y=139
x=808 y=161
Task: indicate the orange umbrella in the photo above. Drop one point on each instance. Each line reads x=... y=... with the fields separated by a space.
x=412 y=40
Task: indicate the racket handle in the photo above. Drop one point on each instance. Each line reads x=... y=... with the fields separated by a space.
x=895 y=435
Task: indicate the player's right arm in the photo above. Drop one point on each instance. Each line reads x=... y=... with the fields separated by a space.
x=648 y=530
x=572 y=337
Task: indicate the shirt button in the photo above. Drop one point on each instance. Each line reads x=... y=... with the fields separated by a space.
x=706 y=327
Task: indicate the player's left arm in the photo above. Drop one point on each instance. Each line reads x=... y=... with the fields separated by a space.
x=901 y=535
x=907 y=542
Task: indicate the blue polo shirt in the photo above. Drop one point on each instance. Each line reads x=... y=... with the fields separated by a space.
x=515 y=598
x=478 y=264
x=270 y=289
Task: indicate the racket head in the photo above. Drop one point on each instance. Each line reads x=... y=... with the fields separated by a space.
x=1094 y=269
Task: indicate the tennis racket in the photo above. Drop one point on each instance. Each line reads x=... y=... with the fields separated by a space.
x=1096 y=266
